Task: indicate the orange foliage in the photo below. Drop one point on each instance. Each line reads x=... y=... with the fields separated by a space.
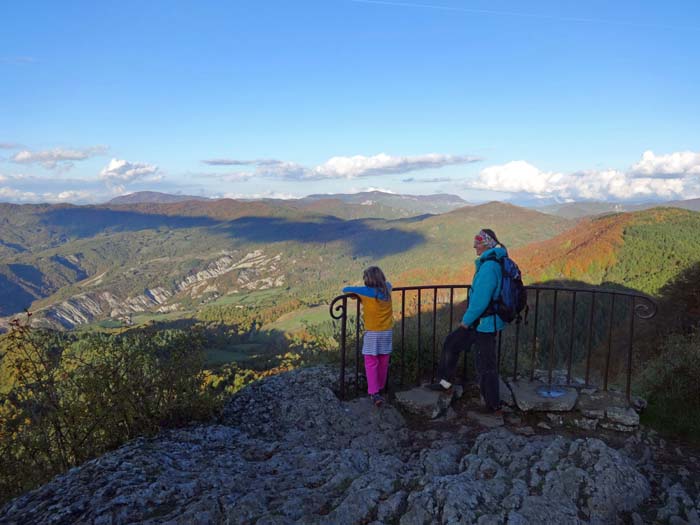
x=592 y=243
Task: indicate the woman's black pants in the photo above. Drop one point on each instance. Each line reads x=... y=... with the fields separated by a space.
x=485 y=359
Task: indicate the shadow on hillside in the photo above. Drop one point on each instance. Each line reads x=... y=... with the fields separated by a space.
x=680 y=300
x=259 y=350
x=363 y=239
x=15 y=298
x=86 y=222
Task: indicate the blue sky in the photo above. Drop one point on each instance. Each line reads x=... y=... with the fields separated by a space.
x=484 y=99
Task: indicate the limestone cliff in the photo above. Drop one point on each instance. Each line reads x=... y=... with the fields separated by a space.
x=286 y=451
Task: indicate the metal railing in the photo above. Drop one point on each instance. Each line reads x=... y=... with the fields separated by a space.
x=592 y=329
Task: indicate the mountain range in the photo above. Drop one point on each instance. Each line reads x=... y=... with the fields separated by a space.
x=76 y=265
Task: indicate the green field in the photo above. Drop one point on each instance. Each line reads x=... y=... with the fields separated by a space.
x=237 y=353
x=295 y=321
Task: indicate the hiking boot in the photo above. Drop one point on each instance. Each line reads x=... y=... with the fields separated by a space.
x=439 y=387
x=377 y=399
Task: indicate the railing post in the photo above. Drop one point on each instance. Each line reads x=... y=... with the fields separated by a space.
x=534 y=335
x=418 y=349
x=343 y=335
x=403 y=334
x=357 y=346
x=553 y=348
x=571 y=339
x=432 y=365
x=610 y=334
x=590 y=337
x=629 y=354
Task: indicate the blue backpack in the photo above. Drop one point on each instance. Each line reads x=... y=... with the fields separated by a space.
x=513 y=297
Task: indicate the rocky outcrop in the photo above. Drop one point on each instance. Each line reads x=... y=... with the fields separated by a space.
x=286 y=451
x=256 y=271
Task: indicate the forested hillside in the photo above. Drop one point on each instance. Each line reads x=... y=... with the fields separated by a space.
x=75 y=265
x=642 y=250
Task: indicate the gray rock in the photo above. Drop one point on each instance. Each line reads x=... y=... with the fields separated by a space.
x=595 y=413
x=623 y=416
x=525 y=431
x=486 y=420
x=392 y=508
x=505 y=394
x=585 y=423
x=528 y=399
x=616 y=426
x=288 y=452
x=423 y=402
x=555 y=419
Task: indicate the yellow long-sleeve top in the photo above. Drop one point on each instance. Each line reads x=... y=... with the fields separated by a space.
x=377 y=311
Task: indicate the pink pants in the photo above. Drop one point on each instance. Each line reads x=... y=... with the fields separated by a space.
x=376 y=368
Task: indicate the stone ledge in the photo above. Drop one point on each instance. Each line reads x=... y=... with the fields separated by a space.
x=527 y=398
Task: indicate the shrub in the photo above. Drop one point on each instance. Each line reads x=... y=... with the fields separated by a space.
x=72 y=398
x=670 y=383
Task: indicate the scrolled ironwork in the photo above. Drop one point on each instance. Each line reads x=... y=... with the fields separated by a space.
x=645 y=310
x=337 y=311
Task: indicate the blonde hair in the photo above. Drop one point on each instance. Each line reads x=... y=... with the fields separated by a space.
x=374 y=278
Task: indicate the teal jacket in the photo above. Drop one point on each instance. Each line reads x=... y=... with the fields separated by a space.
x=486 y=286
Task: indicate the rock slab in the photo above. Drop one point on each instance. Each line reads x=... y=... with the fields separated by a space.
x=528 y=399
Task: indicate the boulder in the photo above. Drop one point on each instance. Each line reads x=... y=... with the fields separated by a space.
x=528 y=398
x=423 y=402
x=623 y=416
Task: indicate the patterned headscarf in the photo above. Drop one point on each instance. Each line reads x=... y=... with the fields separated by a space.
x=484 y=239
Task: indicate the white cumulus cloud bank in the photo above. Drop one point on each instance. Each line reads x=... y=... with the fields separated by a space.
x=381 y=164
x=19 y=196
x=57 y=157
x=672 y=176
x=123 y=172
x=352 y=167
x=674 y=165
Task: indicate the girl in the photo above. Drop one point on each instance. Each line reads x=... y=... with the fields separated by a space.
x=378 y=317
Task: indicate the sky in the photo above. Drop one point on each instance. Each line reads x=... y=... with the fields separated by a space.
x=488 y=100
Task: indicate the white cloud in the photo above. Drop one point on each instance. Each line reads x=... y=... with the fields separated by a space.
x=665 y=177
x=434 y=180
x=667 y=166
x=346 y=167
x=232 y=176
x=229 y=162
x=382 y=164
x=19 y=196
x=71 y=196
x=57 y=157
x=124 y=172
x=9 y=145
x=369 y=189
x=239 y=162
x=13 y=195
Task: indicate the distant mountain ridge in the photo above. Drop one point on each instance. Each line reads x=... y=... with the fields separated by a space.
x=154 y=197
x=373 y=204
x=419 y=204
x=576 y=210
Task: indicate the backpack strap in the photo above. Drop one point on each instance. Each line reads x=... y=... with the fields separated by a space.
x=491 y=309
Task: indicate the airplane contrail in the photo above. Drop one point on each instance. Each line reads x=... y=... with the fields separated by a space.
x=522 y=15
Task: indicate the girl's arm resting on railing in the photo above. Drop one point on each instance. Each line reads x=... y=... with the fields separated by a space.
x=364 y=290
